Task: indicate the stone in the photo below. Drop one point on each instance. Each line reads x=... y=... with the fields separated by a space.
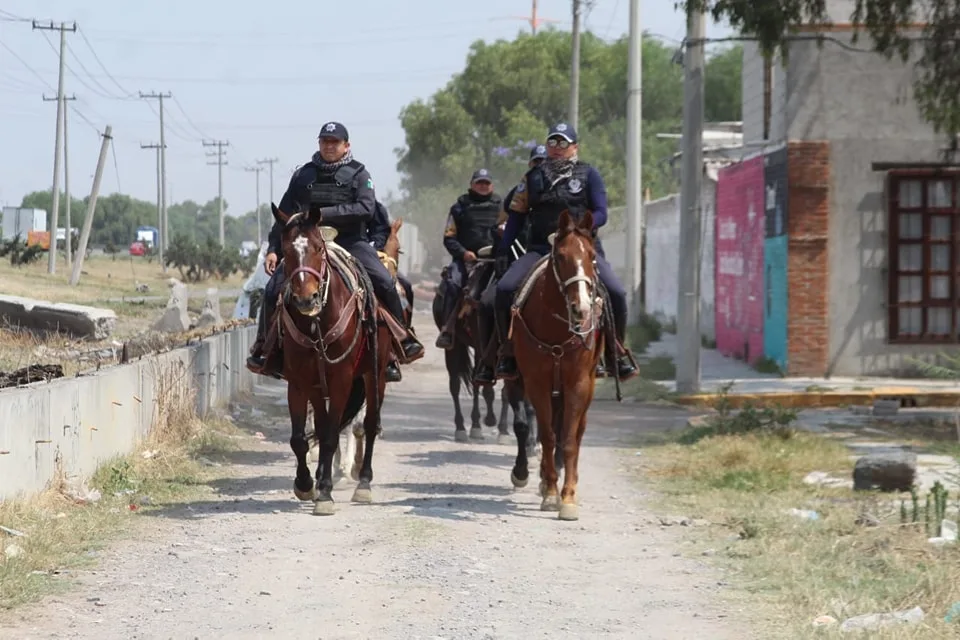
x=874 y=621
x=894 y=471
x=210 y=315
x=78 y=320
x=886 y=407
x=174 y=318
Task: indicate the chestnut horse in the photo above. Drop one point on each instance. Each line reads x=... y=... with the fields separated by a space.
x=334 y=353
x=558 y=341
x=390 y=257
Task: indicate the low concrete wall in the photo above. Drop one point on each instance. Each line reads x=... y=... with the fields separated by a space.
x=75 y=424
x=75 y=319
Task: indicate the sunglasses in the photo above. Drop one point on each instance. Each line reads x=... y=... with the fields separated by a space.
x=558 y=142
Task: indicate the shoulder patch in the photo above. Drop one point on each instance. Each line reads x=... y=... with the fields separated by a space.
x=521 y=187
x=369 y=183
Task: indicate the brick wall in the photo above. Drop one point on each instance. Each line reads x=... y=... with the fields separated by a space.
x=808 y=183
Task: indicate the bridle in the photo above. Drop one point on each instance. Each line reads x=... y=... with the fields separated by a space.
x=583 y=332
x=322 y=276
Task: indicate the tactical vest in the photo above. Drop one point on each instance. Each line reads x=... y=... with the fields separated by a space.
x=475 y=221
x=332 y=188
x=570 y=194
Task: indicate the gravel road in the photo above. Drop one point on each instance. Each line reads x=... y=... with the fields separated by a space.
x=447 y=550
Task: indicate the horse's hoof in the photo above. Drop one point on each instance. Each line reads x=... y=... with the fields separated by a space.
x=517 y=482
x=324 y=508
x=461 y=436
x=550 y=503
x=355 y=473
x=504 y=438
x=362 y=495
x=305 y=496
x=476 y=433
x=569 y=511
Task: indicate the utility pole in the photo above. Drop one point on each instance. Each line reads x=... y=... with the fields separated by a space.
x=271 y=162
x=67 y=243
x=688 y=302
x=153 y=95
x=91 y=207
x=574 y=112
x=635 y=224
x=160 y=246
x=257 y=171
x=534 y=20
x=219 y=154
x=55 y=207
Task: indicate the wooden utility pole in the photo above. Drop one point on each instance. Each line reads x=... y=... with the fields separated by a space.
x=163 y=165
x=91 y=207
x=67 y=243
x=61 y=105
x=219 y=155
x=160 y=247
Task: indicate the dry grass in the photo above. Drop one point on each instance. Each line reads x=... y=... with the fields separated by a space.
x=61 y=534
x=800 y=569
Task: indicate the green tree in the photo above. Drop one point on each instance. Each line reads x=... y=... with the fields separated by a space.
x=891 y=27
x=723 y=92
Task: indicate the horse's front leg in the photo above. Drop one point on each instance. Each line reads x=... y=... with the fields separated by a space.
x=520 y=474
x=327 y=427
x=530 y=417
x=297 y=402
x=489 y=397
x=451 y=358
x=571 y=435
x=504 y=408
x=476 y=431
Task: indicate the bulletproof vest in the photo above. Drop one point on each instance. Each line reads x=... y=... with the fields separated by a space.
x=547 y=203
x=476 y=220
x=332 y=188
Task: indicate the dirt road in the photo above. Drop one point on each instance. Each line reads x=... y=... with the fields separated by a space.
x=448 y=550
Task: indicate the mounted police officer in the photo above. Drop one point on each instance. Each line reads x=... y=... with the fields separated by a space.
x=342 y=190
x=470 y=222
x=378 y=231
x=561 y=182
x=484 y=372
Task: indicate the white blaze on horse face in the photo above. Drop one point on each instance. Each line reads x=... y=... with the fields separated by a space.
x=583 y=292
x=300 y=244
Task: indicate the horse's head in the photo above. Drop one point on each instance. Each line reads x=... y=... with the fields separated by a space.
x=304 y=261
x=574 y=261
x=391 y=249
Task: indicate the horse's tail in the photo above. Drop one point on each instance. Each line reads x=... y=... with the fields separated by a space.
x=463 y=365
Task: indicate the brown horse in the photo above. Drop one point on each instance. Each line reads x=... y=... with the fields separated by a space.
x=334 y=353
x=558 y=341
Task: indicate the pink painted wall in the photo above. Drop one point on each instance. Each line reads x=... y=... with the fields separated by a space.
x=739 y=260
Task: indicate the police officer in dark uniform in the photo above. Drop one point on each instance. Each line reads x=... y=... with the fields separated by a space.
x=484 y=373
x=470 y=222
x=342 y=190
x=561 y=182
x=379 y=231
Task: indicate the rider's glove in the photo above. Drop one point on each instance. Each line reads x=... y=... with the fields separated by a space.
x=501 y=264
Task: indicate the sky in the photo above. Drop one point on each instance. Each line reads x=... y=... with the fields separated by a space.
x=259 y=75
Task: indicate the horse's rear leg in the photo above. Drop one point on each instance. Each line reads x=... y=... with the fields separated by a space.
x=572 y=437
x=298 y=403
x=375 y=383
x=489 y=396
x=504 y=408
x=327 y=427
x=530 y=417
x=543 y=404
x=476 y=431
x=520 y=474
x=460 y=433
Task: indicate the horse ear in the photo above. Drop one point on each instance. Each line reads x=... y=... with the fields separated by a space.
x=397 y=224
x=586 y=222
x=565 y=224
x=281 y=217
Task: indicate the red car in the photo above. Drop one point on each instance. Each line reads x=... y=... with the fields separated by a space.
x=138 y=249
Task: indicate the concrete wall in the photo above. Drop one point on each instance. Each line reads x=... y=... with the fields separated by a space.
x=75 y=424
x=412 y=256
x=776 y=297
x=862 y=104
x=751 y=84
x=662 y=219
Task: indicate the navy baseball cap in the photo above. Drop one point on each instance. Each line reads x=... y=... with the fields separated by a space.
x=563 y=130
x=481 y=175
x=334 y=130
x=538 y=152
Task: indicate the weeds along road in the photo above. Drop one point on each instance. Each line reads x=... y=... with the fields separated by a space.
x=447 y=550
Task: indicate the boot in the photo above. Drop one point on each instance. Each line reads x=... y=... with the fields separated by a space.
x=507 y=366
x=484 y=374
x=393 y=371
x=625 y=367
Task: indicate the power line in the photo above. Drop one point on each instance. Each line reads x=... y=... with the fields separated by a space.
x=271 y=162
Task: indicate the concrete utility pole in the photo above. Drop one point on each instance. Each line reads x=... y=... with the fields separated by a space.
x=157 y=147
x=67 y=244
x=574 y=111
x=61 y=106
x=688 y=301
x=219 y=154
x=257 y=170
x=153 y=95
x=271 y=162
x=91 y=207
x=635 y=225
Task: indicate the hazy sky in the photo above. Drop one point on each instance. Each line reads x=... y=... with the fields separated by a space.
x=259 y=74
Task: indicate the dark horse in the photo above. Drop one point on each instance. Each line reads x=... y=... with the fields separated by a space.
x=334 y=353
x=558 y=342
x=459 y=361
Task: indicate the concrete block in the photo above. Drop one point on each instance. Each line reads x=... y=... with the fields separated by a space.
x=175 y=318
x=210 y=315
x=883 y=407
x=894 y=471
x=75 y=319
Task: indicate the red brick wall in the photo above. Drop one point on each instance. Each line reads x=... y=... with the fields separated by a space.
x=808 y=214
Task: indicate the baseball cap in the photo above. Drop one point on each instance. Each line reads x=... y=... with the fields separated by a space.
x=563 y=130
x=538 y=152
x=480 y=175
x=334 y=130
